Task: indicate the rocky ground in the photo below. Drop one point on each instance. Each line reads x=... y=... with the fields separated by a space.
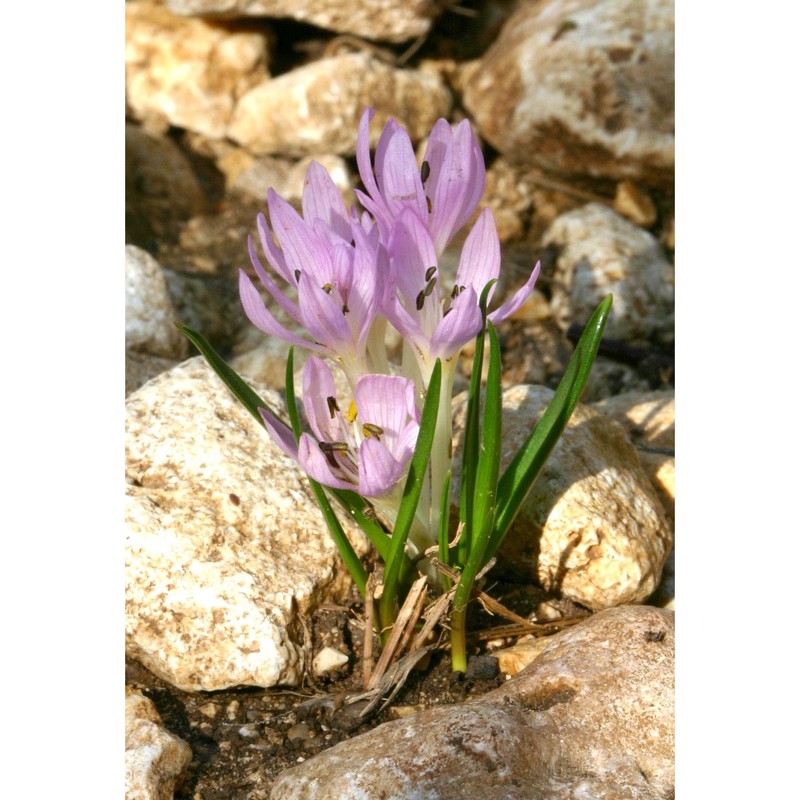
x=233 y=592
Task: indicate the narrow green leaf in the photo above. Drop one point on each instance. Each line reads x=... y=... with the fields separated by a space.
x=238 y=387
x=291 y=398
x=417 y=470
x=518 y=478
x=469 y=456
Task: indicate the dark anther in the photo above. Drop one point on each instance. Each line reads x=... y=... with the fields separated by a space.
x=330 y=447
x=333 y=406
x=371 y=430
x=455 y=292
x=429 y=288
x=429 y=273
x=430 y=205
x=345 y=309
x=425 y=172
x=327 y=288
x=297 y=275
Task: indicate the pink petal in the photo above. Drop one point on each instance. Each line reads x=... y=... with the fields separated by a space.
x=314 y=462
x=257 y=313
x=457 y=327
x=480 y=256
x=280 y=298
x=519 y=297
x=402 y=185
x=322 y=315
x=378 y=469
x=322 y=200
x=318 y=386
x=280 y=433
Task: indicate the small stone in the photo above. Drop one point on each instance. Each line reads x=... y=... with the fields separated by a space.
x=602 y=253
x=514 y=659
x=154 y=758
x=209 y=710
x=635 y=204
x=328 y=660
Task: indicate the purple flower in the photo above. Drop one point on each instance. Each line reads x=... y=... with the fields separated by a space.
x=334 y=263
x=368 y=448
x=443 y=194
x=439 y=323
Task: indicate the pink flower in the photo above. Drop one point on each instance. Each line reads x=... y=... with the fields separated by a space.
x=367 y=453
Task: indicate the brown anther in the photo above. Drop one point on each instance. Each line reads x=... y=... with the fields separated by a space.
x=369 y=430
x=429 y=288
x=430 y=205
x=297 y=275
x=455 y=292
x=334 y=447
x=425 y=171
x=327 y=288
x=333 y=406
x=420 y=300
x=345 y=309
x=429 y=273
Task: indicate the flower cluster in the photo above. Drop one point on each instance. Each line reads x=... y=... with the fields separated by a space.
x=343 y=276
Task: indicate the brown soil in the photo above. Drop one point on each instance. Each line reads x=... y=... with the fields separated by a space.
x=242 y=738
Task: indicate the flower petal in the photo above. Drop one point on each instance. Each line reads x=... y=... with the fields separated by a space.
x=316 y=464
x=322 y=200
x=257 y=313
x=517 y=299
x=383 y=400
x=402 y=185
x=318 y=386
x=280 y=433
x=457 y=327
x=289 y=306
x=378 y=469
x=480 y=256
x=323 y=316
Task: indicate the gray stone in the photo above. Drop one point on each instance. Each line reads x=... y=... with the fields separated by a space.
x=226 y=548
x=389 y=20
x=154 y=758
x=581 y=87
x=592 y=528
x=149 y=313
x=316 y=108
x=187 y=71
x=602 y=253
x=591 y=717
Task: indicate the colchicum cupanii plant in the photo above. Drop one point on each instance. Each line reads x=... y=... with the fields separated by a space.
x=384 y=451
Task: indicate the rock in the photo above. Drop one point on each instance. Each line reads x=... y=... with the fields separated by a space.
x=149 y=313
x=154 y=758
x=514 y=659
x=140 y=368
x=509 y=198
x=581 y=87
x=225 y=545
x=161 y=189
x=329 y=659
x=650 y=421
x=316 y=108
x=187 y=71
x=635 y=204
x=389 y=20
x=592 y=716
x=592 y=528
x=600 y=252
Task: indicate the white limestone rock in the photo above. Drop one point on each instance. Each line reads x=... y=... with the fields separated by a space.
x=581 y=87
x=225 y=544
x=591 y=717
x=600 y=253
x=316 y=108
x=154 y=757
x=592 y=528
x=149 y=313
x=187 y=71
x=389 y=20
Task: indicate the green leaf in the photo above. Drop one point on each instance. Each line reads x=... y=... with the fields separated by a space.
x=469 y=458
x=417 y=470
x=240 y=390
x=444 y=529
x=518 y=478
